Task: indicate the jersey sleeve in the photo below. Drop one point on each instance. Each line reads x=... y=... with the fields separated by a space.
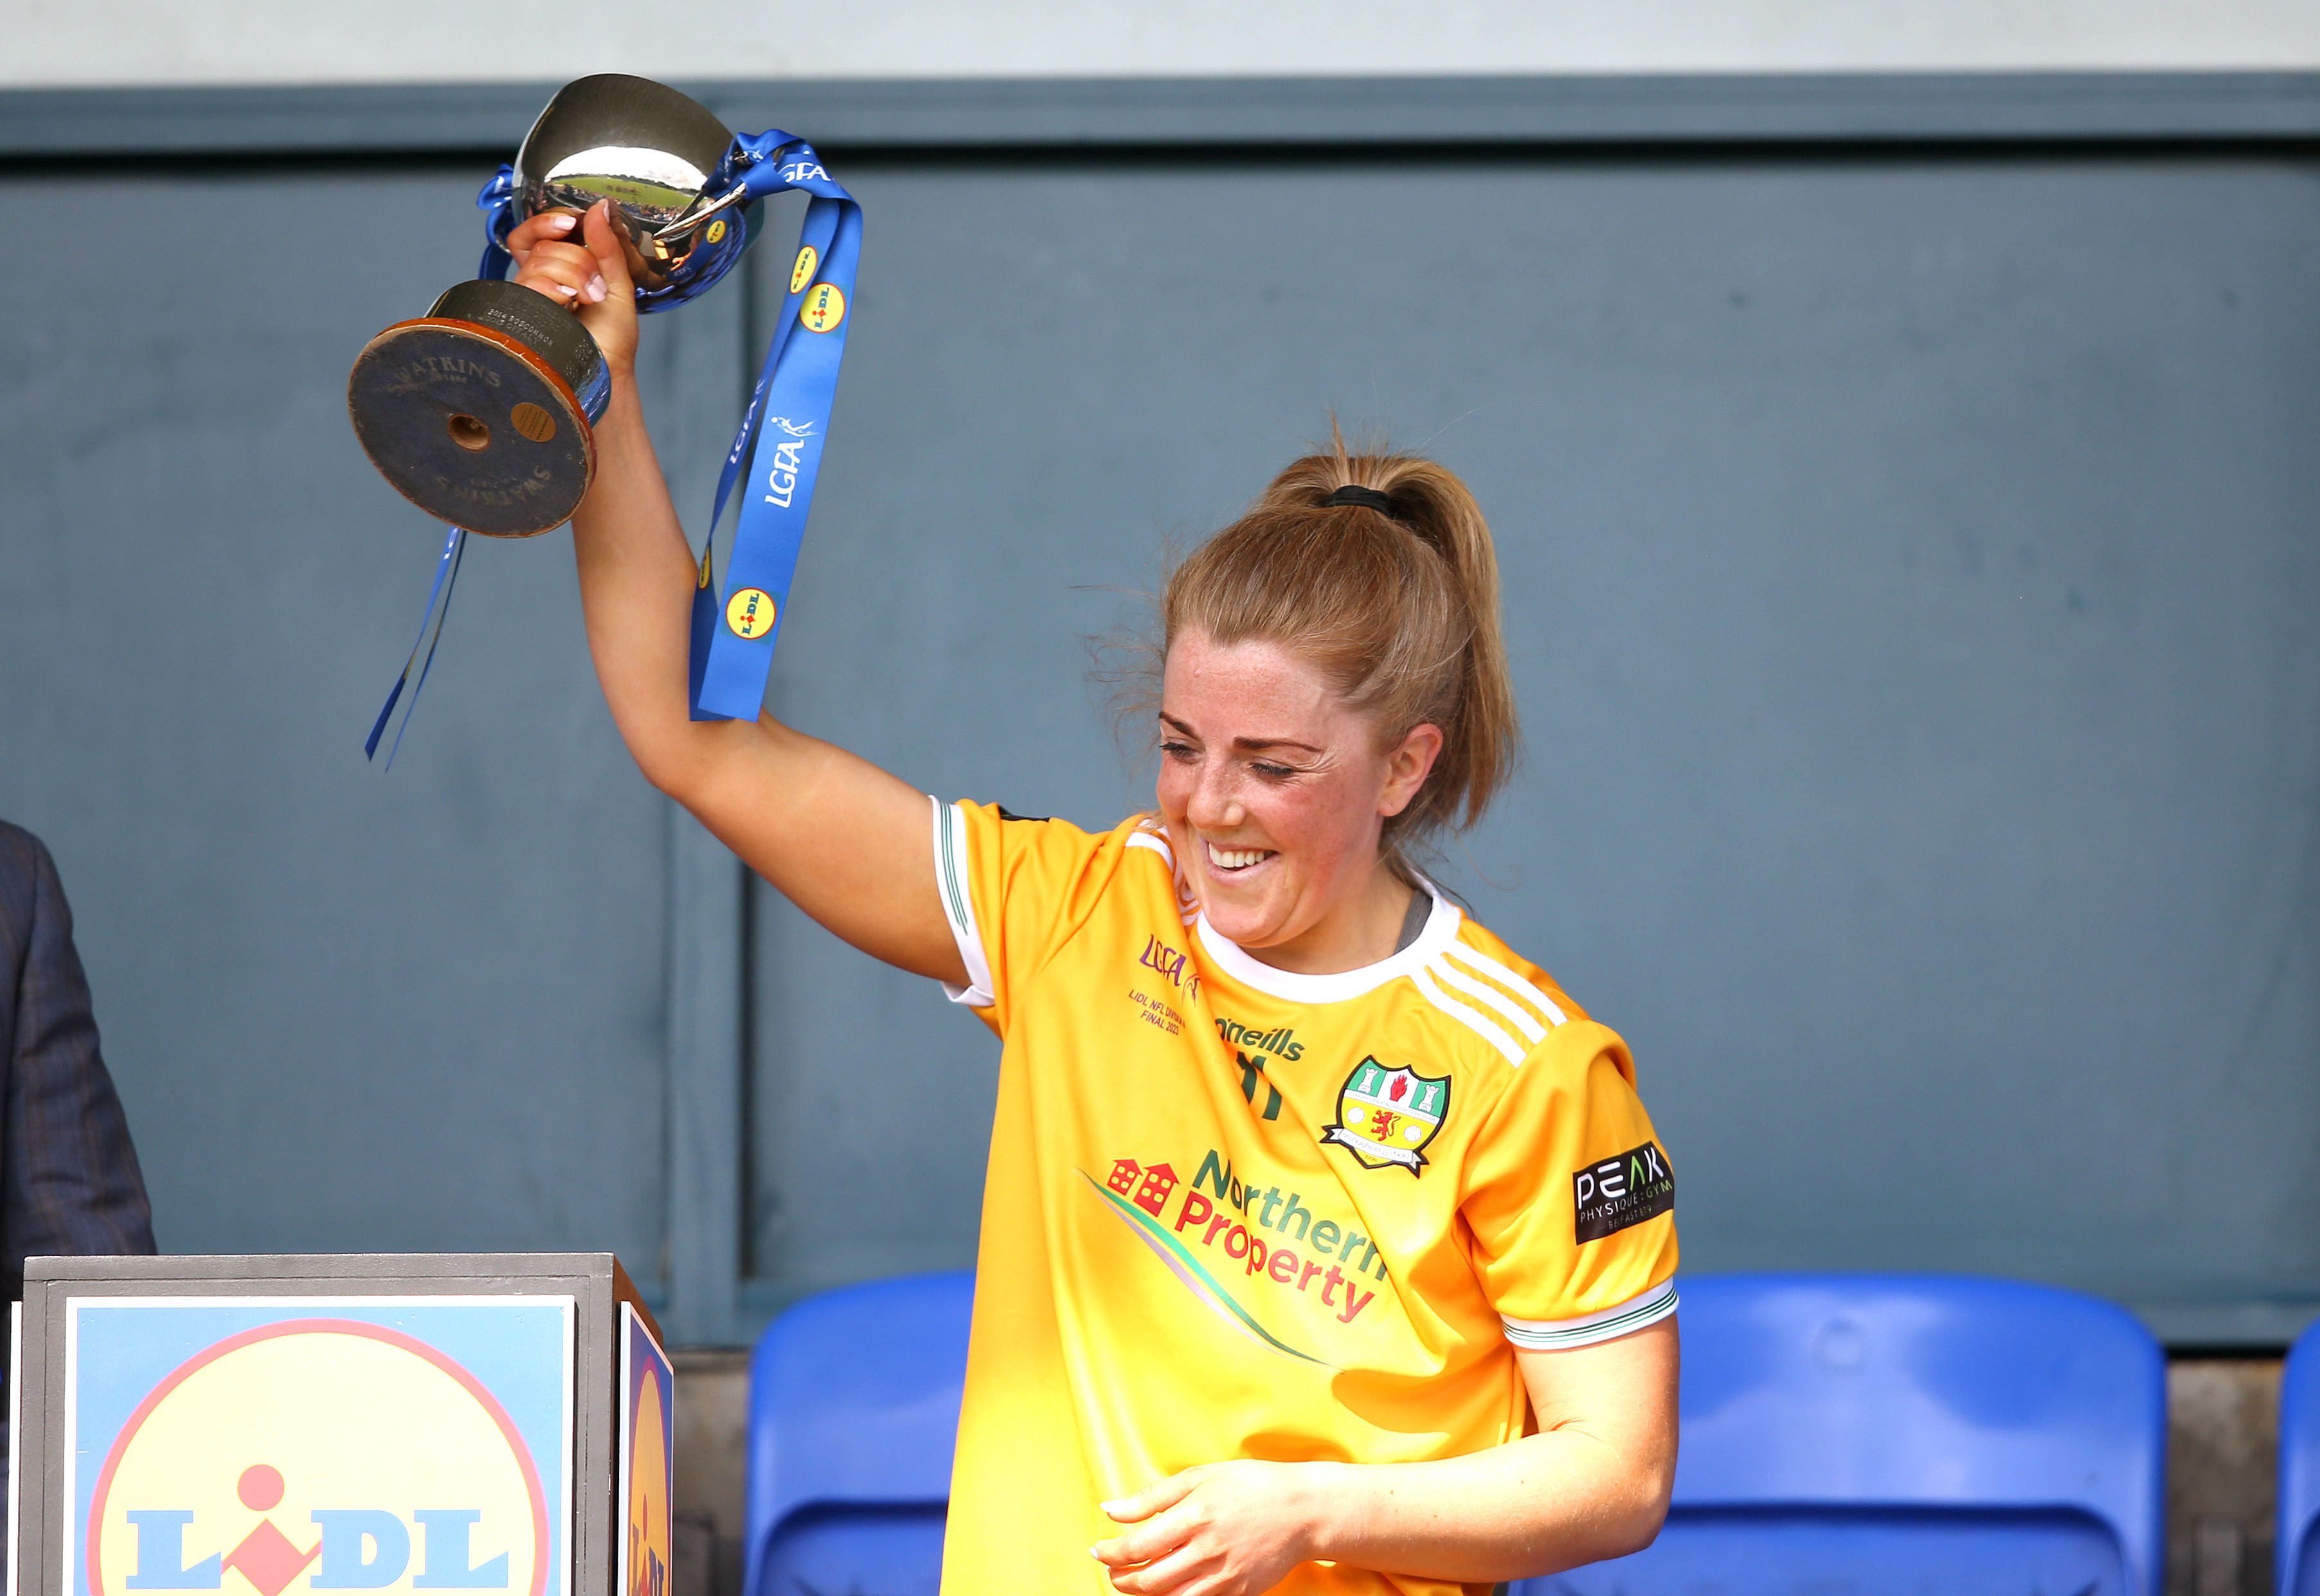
x=1570 y=1198
x=1011 y=889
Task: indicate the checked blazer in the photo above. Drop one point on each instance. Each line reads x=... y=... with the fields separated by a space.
x=68 y=1178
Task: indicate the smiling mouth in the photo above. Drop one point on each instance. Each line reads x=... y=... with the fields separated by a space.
x=1234 y=861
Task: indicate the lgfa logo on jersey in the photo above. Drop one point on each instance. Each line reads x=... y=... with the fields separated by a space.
x=326 y=1455
x=1388 y=1115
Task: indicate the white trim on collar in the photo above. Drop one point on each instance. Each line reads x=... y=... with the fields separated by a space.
x=1441 y=930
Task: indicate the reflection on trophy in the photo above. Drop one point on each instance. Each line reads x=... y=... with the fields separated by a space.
x=478 y=412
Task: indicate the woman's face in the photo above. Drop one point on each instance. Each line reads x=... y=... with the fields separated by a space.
x=1273 y=791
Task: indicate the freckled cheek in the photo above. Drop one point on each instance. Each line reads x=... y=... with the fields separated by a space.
x=1328 y=827
x=1288 y=820
x=1173 y=791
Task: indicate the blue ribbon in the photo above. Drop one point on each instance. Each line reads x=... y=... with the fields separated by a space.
x=447 y=572
x=777 y=449
x=793 y=397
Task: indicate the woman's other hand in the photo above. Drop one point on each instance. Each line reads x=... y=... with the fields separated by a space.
x=1221 y=1529
x=580 y=264
x=1591 y=1483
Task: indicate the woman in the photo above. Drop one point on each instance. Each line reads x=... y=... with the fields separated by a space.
x=1326 y=1247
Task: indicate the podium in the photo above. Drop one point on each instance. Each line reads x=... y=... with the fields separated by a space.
x=473 y=1423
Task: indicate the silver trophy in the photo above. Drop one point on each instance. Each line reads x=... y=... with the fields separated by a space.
x=479 y=412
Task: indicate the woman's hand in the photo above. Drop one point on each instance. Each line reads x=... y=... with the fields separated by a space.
x=581 y=264
x=1591 y=1482
x=1221 y=1529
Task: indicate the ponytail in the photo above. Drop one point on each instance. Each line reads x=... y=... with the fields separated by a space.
x=1397 y=607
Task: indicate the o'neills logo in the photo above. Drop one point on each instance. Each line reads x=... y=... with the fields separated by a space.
x=321 y=1455
x=1281 y=1043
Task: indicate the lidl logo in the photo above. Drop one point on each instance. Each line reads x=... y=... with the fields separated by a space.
x=1388 y=1115
x=801 y=272
x=648 y=1526
x=822 y=308
x=648 y=1459
x=750 y=613
x=715 y=232
x=318 y=1455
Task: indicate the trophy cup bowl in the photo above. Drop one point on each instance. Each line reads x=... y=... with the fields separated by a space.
x=479 y=412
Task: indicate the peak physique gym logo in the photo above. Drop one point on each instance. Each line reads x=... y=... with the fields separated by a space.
x=1617 y=1193
x=320 y=1455
x=1388 y=1115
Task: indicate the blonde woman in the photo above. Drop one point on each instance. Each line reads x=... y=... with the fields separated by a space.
x=1327 y=1245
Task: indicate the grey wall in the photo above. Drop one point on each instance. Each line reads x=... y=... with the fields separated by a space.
x=1909 y=557
x=346 y=1011
x=1909 y=566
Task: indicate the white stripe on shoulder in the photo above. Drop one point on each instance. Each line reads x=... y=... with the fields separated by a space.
x=1522 y=1019
x=1560 y=1335
x=1488 y=1030
x=1188 y=908
x=1476 y=959
x=952 y=886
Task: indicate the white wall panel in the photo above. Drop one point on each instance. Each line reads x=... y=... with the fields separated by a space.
x=67 y=42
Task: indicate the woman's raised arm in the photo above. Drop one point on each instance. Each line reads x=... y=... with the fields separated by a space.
x=848 y=843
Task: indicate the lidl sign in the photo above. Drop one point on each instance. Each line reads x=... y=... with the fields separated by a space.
x=259 y=1447
x=648 y=1457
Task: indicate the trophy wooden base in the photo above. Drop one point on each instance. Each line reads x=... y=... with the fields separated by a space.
x=478 y=412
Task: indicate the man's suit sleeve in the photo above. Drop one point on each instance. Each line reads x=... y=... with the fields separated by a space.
x=69 y=1181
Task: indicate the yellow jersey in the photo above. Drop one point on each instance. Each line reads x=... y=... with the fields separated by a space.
x=1237 y=1211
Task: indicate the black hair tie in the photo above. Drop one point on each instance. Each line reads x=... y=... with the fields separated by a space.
x=1367 y=497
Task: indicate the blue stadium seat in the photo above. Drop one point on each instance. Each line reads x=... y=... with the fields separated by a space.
x=1938 y=1436
x=2296 y=1550
x=1929 y=1434
x=853 y=1414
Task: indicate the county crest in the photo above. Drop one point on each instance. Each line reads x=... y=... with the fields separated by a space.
x=1387 y=1114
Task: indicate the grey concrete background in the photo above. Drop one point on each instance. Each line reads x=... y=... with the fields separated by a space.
x=2222 y=1455
x=1908 y=564
x=1909 y=561
x=1910 y=553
